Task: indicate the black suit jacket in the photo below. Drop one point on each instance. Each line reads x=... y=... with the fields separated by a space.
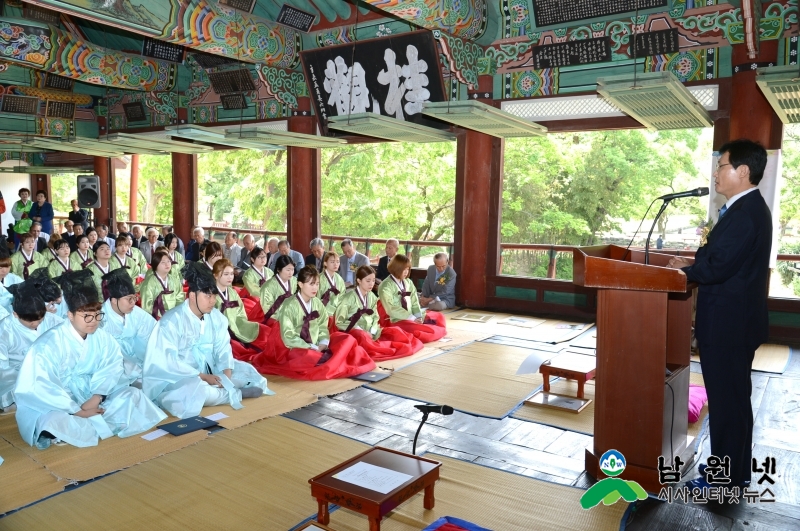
x=732 y=270
x=383 y=268
x=312 y=260
x=71 y=240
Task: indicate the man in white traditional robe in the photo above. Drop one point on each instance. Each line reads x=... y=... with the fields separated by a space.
x=70 y=385
x=189 y=363
x=18 y=332
x=127 y=323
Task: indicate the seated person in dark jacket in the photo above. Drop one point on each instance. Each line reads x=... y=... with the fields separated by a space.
x=439 y=288
x=198 y=239
x=317 y=247
x=392 y=245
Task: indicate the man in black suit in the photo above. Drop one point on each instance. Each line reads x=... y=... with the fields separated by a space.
x=391 y=248
x=732 y=270
x=69 y=235
x=317 y=252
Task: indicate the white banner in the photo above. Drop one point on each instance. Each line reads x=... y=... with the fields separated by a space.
x=770 y=191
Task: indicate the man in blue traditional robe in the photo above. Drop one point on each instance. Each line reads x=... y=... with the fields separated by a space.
x=189 y=363
x=70 y=385
x=17 y=332
x=127 y=323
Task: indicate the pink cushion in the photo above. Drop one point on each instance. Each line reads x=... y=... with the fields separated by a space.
x=697 y=399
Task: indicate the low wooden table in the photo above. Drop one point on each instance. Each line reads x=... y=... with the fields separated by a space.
x=375 y=505
x=577 y=367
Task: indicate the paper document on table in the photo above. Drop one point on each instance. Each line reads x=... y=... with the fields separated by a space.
x=532 y=363
x=217 y=416
x=372 y=477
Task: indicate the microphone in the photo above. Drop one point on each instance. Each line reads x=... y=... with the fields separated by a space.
x=698 y=192
x=430 y=408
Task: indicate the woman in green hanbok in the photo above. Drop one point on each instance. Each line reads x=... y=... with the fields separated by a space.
x=247 y=338
x=258 y=274
x=171 y=246
x=83 y=255
x=278 y=288
x=160 y=291
x=62 y=262
x=307 y=351
x=331 y=284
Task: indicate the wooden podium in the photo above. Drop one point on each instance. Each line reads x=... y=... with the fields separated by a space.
x=644 y=315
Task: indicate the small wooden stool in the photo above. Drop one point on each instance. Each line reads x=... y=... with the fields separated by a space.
x=576 y=367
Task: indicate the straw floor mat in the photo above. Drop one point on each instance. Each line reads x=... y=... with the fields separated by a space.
x=583 y=422
x=493 y=499
x=285 y=399
x=768 y=358
x=22 y=480
x=477 y=378
x=315 y=387
x=547 y=332
x=252 y=478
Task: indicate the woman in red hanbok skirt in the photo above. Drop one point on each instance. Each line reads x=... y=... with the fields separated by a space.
x=307 y=351
x=357 y=315
x=399 y=304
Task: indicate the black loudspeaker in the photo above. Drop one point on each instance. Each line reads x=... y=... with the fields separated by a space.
x=88 y=191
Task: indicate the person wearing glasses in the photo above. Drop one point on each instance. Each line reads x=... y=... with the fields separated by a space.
x=732 y=319
x=128 y=324
x=18 y=331
x=189 y=363
x=71 y=385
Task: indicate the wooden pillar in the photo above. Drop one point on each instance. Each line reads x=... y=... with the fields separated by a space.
x=751 y=115
x=303 y=183
x=184 y=195
x=107 y=211
x=479 y=166
x=133 y=194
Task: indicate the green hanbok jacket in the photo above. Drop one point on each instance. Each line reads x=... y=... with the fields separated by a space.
x=326 y=295
x=177 y=264
x=48 y=254
x=272 y=290
x=152 y=287
x=290 y=317
x=252 y=280
x=131 y=266
x=232 y=308
x=76 y=261
x=349 y=304
x=57 y=267
x=18 y=261
x=389 y=294
x=97 y=276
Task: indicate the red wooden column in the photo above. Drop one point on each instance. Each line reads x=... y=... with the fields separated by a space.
x=133 y=194
x=107 y=211
x=303 y=184
x=184 y=195
x=751 y=115
x=479 y=167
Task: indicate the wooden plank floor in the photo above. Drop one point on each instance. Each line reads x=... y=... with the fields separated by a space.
x=556 y=455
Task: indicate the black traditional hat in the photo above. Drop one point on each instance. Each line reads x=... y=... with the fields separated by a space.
x=4 y=247
x=199 y=277
x=48 y=289
x=79 y=289
x=27 y=299
x=119 y=283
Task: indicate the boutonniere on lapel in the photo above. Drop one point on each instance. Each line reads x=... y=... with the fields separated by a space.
x=353 y=267
x=705 y=232
x=442 y=280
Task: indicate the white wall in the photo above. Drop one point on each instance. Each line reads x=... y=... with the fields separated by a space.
x=10 y=183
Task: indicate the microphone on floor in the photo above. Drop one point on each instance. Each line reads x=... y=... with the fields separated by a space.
x=431 y=408
x=426 y=410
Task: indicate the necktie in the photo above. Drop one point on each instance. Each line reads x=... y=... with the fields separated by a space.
x=722 y=211
x=152 y=250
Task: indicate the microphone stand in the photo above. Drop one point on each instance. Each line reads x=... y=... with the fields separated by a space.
x=414 y=447
x=664 y=206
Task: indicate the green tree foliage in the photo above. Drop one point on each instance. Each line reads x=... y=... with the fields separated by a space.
x=389 y=190
x=250 y=185
x=155 y=189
